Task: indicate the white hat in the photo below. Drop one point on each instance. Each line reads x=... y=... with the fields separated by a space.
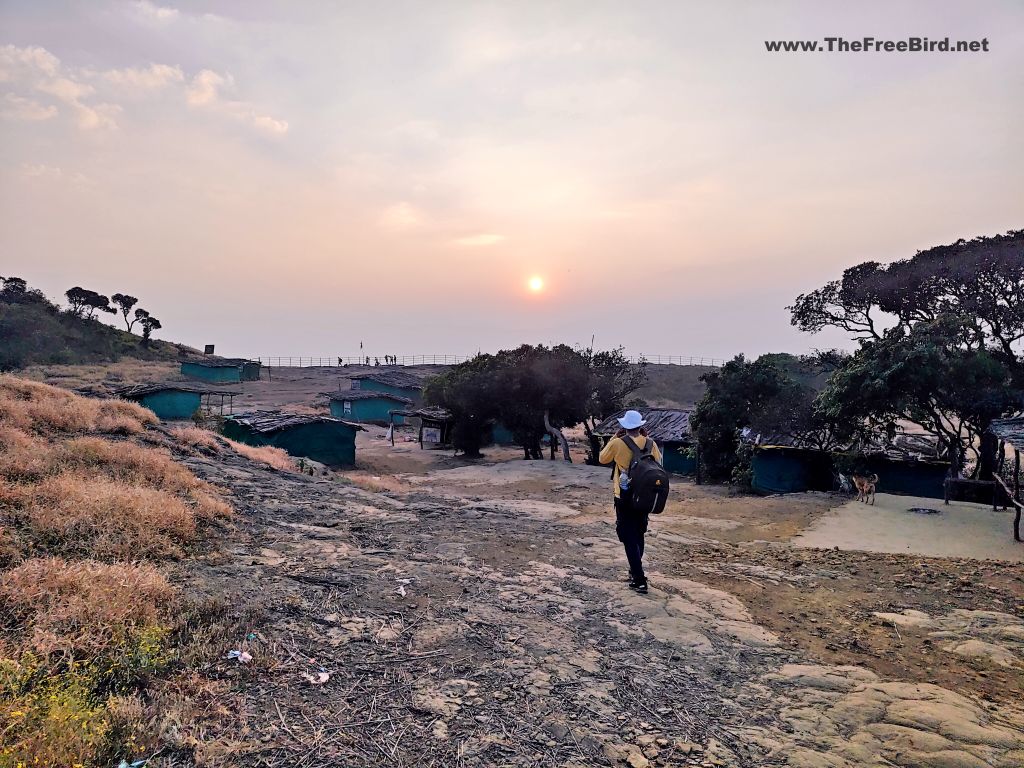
x=632 y=420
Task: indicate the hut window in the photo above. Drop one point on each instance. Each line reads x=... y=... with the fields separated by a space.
x=356 y=384
x=347 y=407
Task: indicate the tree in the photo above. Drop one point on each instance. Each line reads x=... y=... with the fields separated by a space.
x=925 y=376
x=148 y=323
x=16 y=291
x=85 y=303
x=956 y=311
x=531 y=391
x=766 y=398
x=613 y=379
x=125 y=303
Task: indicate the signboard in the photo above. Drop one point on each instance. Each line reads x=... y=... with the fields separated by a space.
x=431 y=435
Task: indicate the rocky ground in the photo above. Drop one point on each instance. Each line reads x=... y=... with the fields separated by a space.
x=421 y=611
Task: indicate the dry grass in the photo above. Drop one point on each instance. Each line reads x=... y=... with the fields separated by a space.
x=104 y=376
x=85 y=621
x=83 y=608
x=96 y=517
x=75 y=629
x=41 y=408
x=196 y=437
x=277 y=458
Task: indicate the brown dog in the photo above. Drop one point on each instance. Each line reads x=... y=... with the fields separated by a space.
x=865 y=485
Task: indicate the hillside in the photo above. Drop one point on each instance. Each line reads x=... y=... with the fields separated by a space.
x=33 y=331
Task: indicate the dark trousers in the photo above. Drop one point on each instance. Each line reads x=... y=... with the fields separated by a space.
x=631 y=527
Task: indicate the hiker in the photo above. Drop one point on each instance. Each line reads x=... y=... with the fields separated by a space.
x=630 y=446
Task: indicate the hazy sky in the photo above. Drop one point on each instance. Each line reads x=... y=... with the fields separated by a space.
x=291 y=178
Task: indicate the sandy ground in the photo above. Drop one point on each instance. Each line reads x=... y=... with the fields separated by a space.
x=958 y=529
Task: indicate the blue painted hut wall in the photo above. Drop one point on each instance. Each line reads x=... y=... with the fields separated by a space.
x=676 y=461
x=791 y=470
x=219 y=375
x=328 y=442
x=913 y=478
x=500 y=435
x=416 y=395
x=250 y=370
x=171 y=404
x=368 y=410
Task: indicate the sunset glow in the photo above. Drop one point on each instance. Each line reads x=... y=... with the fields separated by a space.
x=536 y=284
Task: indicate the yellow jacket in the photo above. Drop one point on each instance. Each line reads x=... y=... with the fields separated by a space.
x=618 y=452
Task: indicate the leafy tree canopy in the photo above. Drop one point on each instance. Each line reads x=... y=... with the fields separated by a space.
x=940 y=339
x=517 y=387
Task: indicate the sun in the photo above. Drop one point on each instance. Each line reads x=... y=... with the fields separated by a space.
x=536 y=284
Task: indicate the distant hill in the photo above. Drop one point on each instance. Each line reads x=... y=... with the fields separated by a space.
x=34 y=331
x=673 y=386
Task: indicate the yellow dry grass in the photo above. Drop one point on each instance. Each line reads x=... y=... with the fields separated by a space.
x=84 y=608
x=277 y=458
x=104 y=376
x=85 y=620
x=34 y=407
x=196 y=437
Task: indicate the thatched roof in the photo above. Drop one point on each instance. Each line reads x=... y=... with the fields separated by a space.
x=366 y=394
x=664 y=425
x=1009 y=431
x=390 y=379
x=221 y=362
x=137 y=391
x=903 y=447
x=266 y=422
x=430 y=413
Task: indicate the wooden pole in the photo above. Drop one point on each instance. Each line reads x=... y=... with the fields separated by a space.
x=1016 y=494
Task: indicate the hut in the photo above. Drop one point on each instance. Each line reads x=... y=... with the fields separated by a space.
x=435 y=430
x=1010 y=432
x=320 y=438
x=669 y=428
x=222 y=370
x=908 y=464
x=392 y=382
x=367 y=406
x=177 y=401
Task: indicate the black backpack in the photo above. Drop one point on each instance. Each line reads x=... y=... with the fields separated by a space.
x=648 y=480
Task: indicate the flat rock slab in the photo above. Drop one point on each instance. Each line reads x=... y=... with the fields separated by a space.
x=959 y=530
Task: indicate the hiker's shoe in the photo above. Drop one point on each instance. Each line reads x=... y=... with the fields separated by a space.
x=640 y=587
x=629 y=579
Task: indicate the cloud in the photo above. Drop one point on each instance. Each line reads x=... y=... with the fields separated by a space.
x=478 y=241
x=41 y=171
x=401 y=216
x=20 y=108
x=154 y=14
x=18 y=63
x=204 y=88
x=153 y=77
x=205 y=91
x=34 y=70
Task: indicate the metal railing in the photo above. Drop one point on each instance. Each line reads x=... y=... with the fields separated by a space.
x=307 y=361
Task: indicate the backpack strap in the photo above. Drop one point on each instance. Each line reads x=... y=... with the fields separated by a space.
x=631 y=444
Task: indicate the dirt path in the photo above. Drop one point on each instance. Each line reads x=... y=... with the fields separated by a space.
x=477 y=616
